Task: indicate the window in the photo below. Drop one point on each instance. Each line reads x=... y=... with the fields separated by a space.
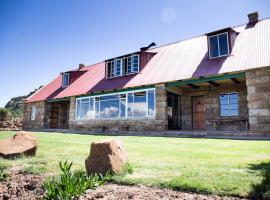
x=33 y=113
x=218 y=45
x=65 y=80
x=139 y=104
x=228 y=104
x=122 y=66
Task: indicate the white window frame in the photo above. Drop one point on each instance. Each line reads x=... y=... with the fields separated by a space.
x=126 y=109
x=209 y=46
x=229 y=115
x=33 y=113
x=114 y=61
x=63 y=78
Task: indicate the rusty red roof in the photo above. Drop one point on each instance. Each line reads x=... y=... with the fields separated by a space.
x=177 y=61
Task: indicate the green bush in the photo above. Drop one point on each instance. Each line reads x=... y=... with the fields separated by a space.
x=70 y=185
x=4 y=114
x=3 y=174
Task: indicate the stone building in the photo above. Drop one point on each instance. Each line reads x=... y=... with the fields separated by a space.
x=216 y=82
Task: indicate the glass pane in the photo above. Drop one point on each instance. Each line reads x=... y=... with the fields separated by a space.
x=85 y=107
x=130 y=105
x=223 y=44
x=224 y=107
x=139 y=105
x=234 y=112
x=123 y=108
x=223 y=102
x=115 y=96
x=135 y=63
x=151 y=103
x=109 y=109
x=234 y=106
x=96 y=108
x=129 y=65
x=224 y=112
x=78 y=108
x=213 y=45
x=91 y=113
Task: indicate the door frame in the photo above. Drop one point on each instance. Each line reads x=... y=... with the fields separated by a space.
x=57 y=124
x=192 y=111
x=178 y=110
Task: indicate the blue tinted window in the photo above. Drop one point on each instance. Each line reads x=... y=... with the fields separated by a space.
x=151 y=103
x=213 y=45
x=135 y=63
x=228 y=104
x=223 y=44
x=218 y=45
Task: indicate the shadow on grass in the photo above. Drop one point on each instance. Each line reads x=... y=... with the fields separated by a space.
x=261 y=190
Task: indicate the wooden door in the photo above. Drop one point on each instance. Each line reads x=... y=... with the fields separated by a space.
x=198 y=112
x=54 y=117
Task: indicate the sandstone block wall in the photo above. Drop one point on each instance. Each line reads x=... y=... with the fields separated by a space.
x=258 y=87
x=40 y=115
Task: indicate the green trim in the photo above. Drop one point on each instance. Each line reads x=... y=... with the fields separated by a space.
x=205 y=79
x=116 y=91
x=56 y=100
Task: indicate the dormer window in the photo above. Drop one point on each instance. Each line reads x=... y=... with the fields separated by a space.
x=65 y=80
x=122 y=66
x=218 y=45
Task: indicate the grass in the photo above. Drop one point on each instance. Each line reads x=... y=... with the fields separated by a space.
x=209 y=166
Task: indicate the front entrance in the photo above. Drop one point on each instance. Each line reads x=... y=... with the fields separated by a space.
x=198 y=112
x=54 y=116
x=173 y=111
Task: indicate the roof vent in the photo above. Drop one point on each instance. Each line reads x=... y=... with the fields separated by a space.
x=253 y=18
x=81 y=66
x=149 y=46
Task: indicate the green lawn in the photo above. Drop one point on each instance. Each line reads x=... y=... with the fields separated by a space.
x=217 y=166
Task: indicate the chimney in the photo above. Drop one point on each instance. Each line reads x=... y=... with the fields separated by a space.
x=81 y=66
x=150 y=45
x=253 y=18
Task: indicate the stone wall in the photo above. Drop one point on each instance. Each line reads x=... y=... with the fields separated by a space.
x=258 y=87
x=132 y=125
x=39 y=118
x=212 y=110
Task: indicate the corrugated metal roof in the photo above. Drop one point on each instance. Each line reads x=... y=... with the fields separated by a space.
x=178 y=61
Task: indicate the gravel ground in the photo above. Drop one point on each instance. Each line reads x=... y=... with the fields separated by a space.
x=29 y=186
x=120 y=192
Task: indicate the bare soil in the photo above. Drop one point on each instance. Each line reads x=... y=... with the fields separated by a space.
x=29 y=187
x=22 y=186
x=120 y=192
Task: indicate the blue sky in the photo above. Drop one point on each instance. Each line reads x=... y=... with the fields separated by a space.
x=41 y=38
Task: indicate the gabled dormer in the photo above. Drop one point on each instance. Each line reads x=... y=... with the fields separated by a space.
x=128 y=64
x=70 y=76
x=220 y=42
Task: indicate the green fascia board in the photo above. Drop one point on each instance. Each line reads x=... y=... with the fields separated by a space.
x=100 y=93
x=56 y=100
x=205 y=79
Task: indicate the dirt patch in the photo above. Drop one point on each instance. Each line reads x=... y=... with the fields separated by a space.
x=29 y=187
x=119 y=192
x=22 y=186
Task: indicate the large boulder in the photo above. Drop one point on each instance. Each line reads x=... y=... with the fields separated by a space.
x=106 y=155
x=21 y=143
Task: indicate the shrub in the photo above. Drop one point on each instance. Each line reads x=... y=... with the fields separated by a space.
x=69 y=185
x=4 y=114
x=3 y=174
